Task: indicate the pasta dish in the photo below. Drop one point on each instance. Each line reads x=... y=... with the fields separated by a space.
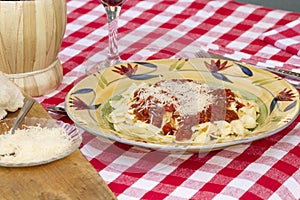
x=180 y=111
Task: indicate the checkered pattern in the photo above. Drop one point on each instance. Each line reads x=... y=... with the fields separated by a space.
x=154 y=29
x=286 y=37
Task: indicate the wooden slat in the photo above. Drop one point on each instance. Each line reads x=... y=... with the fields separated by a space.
x=72 y=177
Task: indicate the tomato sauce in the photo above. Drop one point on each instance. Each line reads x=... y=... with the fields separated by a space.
x=148 y=111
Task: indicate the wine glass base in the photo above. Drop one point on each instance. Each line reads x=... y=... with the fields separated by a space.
x=102 y=65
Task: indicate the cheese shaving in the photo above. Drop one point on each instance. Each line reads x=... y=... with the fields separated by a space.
x=182 y=110
x=33 y=144
x=188 y=97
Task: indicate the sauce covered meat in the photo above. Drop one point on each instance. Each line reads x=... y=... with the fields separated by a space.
x=176 y=106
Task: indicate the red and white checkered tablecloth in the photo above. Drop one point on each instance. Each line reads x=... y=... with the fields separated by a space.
x=265 y=169
x=286 y=37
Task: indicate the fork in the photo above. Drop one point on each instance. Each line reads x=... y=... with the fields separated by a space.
x=23 y=112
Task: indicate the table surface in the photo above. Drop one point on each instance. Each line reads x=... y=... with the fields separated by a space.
x=156 y=29
x=72 y=177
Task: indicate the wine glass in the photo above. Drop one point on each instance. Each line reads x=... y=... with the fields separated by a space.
x=112 y=9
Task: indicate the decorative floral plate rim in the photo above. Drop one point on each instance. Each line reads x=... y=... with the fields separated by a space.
x=280 y=99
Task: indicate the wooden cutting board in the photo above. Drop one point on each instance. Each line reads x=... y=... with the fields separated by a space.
x=72 y=177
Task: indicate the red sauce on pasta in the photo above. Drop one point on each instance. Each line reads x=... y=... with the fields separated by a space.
x=152 y=109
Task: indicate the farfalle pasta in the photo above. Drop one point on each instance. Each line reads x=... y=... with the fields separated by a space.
x=181 y=111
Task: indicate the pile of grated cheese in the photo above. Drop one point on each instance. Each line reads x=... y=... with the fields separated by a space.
x=33 y=144
x=188 y=97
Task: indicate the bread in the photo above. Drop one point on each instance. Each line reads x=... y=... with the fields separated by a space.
x=11 y=96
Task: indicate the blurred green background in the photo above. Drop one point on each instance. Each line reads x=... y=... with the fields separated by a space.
x=290 y=5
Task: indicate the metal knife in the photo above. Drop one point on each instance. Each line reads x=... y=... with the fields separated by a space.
x=286 y=73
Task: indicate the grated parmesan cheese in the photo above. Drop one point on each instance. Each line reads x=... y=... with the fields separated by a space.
x=188 y=97
x=182 y=110
x=33 y=144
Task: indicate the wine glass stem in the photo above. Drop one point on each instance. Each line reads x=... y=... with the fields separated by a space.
x=113 y=13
